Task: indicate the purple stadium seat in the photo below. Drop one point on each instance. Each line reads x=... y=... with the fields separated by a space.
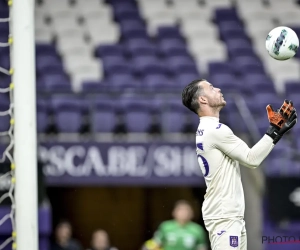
x=140 y=46
x=4 y=123
x=122 y=81
x=262 y=88
x=257 y=78
x=242 y=51
x=4 y=120
x=45 y=49
x=133 y=29
x=4 y=51
x=4 y=27
x=231 y=115
x=42 y=115
x=292 y=87
x=137 y=116
x=116 y=2
x=226 y=82
x=109 y=50
x=231 y=24
x=158 y=82
x=103 y=118
x=4 y=103
x=124 y=11
x=127 y=24
x=184 y=79
x=181 y=64
x=56 y=83
x=148 y=65
x=173 y=47
x=47 y=64
x=172 y=116
x=168 y=32
x=94 y=86
x=248 y=65
x=4 y=81
x=262 y=100
x=4 y=12
x=236 y=42
x=232 y=30
x=225 y=36
x=220 y=68
x=225 y=14
x=67 y=114
x=3 y=38
x=5 y=61
x=115 y=65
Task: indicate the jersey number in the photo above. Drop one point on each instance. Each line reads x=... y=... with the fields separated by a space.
x=203 y=164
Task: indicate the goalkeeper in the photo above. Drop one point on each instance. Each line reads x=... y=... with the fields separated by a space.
x=219 y=153
x=180 y=233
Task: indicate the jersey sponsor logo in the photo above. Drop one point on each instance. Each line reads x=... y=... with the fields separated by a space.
x=234 y=241
x=220 y=233
x=219 y=126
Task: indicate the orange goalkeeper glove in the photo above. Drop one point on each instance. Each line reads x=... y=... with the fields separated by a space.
x=281 y=121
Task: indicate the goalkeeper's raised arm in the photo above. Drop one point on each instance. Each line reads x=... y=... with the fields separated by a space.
x=219 y=153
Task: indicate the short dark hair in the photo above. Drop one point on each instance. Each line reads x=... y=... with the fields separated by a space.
x=190 y=95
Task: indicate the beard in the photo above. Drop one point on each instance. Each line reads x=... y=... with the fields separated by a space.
x=217 y=103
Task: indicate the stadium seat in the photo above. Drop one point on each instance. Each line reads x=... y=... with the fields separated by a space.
x=172 y=117
x=94 y=86
x=42 y=116
x=225 y=14
x=184 y=79
x=121 y=81
x=148 y=64
x=56 y=83
x=181 y=64
x=220 y=67
x=67 y=114
x=292 y=87
x=109 y=50
x=137 y=116
x=103 y=118
x=139 y=46
x=115 y=65
x=49 y=65
x=172 y=46
x=158 y=82
x=248 y=65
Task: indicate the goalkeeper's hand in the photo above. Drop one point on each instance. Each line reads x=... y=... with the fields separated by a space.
x=281 y=121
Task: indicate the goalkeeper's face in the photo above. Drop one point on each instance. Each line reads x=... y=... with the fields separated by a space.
x=183 y=213
x=213 y=95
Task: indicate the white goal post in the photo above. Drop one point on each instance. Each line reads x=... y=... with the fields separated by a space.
x=25 y=135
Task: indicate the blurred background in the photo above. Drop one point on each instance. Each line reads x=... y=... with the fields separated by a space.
x=117 y=147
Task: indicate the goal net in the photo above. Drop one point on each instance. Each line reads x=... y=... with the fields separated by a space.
x=18 y=159
x=7 y=178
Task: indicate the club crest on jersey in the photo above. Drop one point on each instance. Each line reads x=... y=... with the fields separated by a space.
x=234 y=241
